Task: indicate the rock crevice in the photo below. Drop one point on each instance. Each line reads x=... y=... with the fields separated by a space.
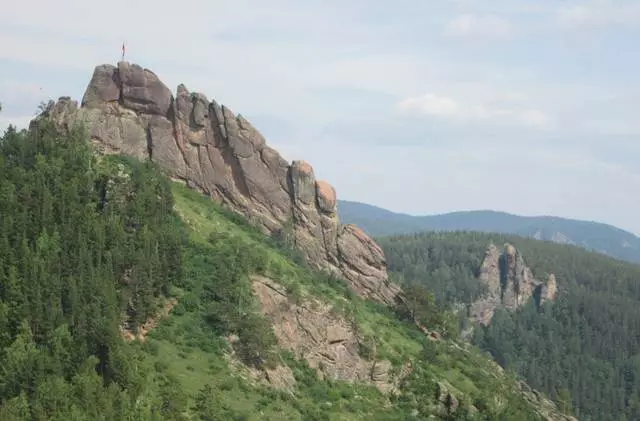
x=128 y=110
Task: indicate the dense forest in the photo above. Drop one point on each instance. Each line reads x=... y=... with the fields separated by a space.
x=78 y=249
x=583 y=349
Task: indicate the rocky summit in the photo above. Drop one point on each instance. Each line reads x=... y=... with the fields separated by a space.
x=128 y=110
x=510 y=283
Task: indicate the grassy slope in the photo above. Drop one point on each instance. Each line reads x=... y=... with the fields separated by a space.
x=185 y=347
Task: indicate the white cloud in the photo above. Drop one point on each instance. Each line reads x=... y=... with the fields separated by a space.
x=432 y=105
x=599 y=13
x=473 y=27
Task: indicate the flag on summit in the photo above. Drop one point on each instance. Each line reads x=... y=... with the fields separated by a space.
x=123 y=51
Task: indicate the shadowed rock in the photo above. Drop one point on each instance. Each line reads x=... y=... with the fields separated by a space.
x=128 y=110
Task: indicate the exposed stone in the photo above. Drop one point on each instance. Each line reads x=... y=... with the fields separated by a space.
x=103 y=88
x=280 y=377
x=542 y=405
x=364 y=265
x=128 y=110
x=510 y=283
x=142 y=91
x=313 y=331
x=490 y=270
x=326 y=197
x=151 y=323
x=447 y=399
x=516 y=278
x=549 y=290
x=380 y=372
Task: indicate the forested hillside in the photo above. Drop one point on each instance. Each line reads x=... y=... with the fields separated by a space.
x=80 y=244
x=124 y=296
x=594 y=236
x=584 y=347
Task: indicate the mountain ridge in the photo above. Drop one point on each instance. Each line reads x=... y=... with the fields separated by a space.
x=128 y=110
x=591 y=235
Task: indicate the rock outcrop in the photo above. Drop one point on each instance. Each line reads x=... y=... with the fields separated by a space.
x=510 y=283
x=128 y=110
x=447 y=399
x=549 y=291
x=543 y=405
x=329 y=343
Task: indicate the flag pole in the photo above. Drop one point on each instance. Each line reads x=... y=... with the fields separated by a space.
x=122 y=50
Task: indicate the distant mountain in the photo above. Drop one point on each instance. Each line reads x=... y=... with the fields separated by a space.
x=594 y=236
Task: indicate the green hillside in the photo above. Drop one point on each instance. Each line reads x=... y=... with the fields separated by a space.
x=593 y=236
x=585 y=345
x=124 y=296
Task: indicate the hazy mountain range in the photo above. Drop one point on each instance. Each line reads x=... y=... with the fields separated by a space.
x=595 y=236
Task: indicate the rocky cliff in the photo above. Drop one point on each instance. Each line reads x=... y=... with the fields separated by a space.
x=128 y=110
x=510 y=283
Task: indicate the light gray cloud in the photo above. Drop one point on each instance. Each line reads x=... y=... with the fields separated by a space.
x=475 y=27
x=432 y=105
x=599 y=14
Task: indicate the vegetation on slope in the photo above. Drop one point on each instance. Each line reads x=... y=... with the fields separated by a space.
x=594 y=236
x=468 y=372
x=92 y=248
x=583 y=349
x=73 y=258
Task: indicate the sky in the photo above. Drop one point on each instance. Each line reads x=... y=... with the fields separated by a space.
x=423 y=107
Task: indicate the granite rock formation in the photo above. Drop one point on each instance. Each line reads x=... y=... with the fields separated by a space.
x=324 y=338
x=128 y=110
x=510 y=283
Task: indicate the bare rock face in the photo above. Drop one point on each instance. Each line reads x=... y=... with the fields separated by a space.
x=128 y=110
x=549 y=291
x=516 y=277
x=447 y=399
x=364 y=265
x=104 y=87
x=510 y=283
x=329 y=343
x=543 y=405
x=142 y=91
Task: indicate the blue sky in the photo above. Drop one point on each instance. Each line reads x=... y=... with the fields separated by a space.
x=530 y=107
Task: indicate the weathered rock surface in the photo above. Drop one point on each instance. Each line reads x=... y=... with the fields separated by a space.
x=510 y=283
x=128 y=110
x=311 y=330
x=447 y=399
x=543 y=405
x=549 y=291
